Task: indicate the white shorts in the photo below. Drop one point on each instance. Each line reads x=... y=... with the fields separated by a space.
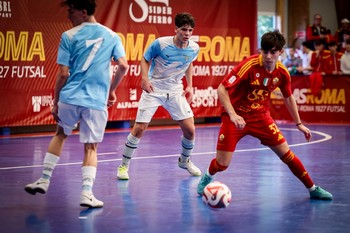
x=92 y=123
x=175 y=103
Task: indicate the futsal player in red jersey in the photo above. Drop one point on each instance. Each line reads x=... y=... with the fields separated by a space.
x=245 y=96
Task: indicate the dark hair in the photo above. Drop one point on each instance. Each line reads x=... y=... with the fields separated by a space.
x=88 y=5
x=306 y=44
x=332 y=43
x=184 y=18
x=347 y=41
x=272 y=39
x=319 y=42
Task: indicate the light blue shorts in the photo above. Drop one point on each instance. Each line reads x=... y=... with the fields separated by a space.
x=92 y=123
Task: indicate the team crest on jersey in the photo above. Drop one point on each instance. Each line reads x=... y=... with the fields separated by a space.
x=275 y=81
x=266 y=81
x=221 y=137
x=186 y=57
x=257 y=75
x=232 y=79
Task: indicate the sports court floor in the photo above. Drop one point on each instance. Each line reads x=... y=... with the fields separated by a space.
x=160 y=197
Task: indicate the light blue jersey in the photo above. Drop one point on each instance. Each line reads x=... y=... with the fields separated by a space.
x=87 y=50
x=169 y=63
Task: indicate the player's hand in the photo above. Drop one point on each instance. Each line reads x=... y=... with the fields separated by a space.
x=146 y=85
x=188 y=93
x=306 y=131
x=112 y=99
x=238 y=121
x=54 y=112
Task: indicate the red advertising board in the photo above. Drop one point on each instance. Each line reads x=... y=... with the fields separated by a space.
x=30 y=31
x=331 y=105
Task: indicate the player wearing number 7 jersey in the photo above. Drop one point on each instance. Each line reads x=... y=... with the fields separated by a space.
x=83 y=91
x=245 y=96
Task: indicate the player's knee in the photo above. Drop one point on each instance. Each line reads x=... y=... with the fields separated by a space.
x=139 y=129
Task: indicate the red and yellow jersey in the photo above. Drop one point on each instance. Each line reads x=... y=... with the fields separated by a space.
x=249 y=86
x=332 y=63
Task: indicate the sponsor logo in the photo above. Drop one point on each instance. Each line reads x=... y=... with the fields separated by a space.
x=132 y=103
x=232 y=79
x=41 y=101
x=152 y=11
x=205 y=97
x=5 y=9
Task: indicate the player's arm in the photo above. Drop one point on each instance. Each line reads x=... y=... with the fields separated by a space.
x=293 y=110
x=119 y=74
x=226 y=103
x=145 y=83
x=188 y=92
x=62 y=76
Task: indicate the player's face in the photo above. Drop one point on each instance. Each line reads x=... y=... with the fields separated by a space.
x=76 y=16
x=184 y=33
x=270 y=58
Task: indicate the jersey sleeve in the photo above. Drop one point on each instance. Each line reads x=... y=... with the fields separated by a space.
x=285 y=85
x=63 y=55
x=233 y=78
x=118 y=50
x=152 y=51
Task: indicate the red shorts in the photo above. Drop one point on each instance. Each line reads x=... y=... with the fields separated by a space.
x=265 y=130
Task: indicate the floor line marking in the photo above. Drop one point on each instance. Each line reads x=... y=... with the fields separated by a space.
x=326 y=138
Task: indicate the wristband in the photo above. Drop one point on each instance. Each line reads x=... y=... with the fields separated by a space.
x=298 y=124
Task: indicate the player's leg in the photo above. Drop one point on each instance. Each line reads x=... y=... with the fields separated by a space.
x=131 y=144
x=180 y=110
x=227 y=140
x=92 y=127
x=89 y=170
x=148 y=104
x=68 y=122
x=271 y=136
x=187 y=144
x=297 y=168
x=218 y=164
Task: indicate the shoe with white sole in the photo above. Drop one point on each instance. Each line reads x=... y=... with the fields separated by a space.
x=190 y=167
x=123 y=172
x=87 y=199
x=39 y=186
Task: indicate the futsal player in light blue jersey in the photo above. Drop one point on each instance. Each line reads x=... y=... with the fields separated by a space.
x=163 y=66
x=83 y=91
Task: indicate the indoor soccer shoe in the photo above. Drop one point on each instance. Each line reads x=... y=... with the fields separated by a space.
x=321 y=194
x=39 y=186
x=122 y=173
x=87 y=199
x=190 y=167
x=205 y=180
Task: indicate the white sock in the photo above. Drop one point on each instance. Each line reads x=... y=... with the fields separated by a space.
x=50 y=162
x=312 y=188
x=129 y=149
x=208 y=174
x=187 y=148
x=89 y=175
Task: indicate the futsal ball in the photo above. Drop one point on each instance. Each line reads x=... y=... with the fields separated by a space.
x=216 y=195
